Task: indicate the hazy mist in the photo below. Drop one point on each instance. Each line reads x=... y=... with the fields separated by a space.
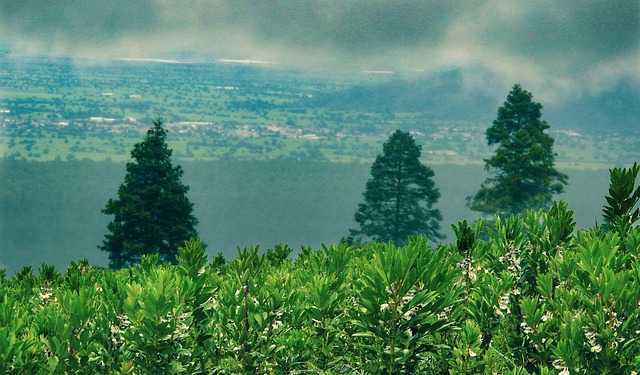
x=55 y=206
x=555 y=49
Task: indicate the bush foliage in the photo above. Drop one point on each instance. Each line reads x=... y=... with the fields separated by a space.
x=526 y=294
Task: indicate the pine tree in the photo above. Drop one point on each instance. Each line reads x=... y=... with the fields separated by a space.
x=152 y=212
x=399 y=196
x=525 y=176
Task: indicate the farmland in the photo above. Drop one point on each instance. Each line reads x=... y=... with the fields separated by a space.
x=54 y=109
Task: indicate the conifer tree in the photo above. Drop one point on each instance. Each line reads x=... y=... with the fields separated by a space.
x=152 y=212
x=399 y=196
x=525 y=176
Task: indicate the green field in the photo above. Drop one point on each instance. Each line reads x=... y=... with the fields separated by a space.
x=55 y=109
x=59 y=144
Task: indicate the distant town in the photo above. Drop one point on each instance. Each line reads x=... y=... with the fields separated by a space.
x=50 y=110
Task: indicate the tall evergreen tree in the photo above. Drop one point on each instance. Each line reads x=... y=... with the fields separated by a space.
x=399 y=196
x=152 y=212
x=525 y=176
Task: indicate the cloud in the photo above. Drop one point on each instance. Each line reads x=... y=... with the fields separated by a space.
x=559 y=47
x=75 y=26
x=562 y=44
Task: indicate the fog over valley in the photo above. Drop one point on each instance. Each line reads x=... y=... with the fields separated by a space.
x=557 y=50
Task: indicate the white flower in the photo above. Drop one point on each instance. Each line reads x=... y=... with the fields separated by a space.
x=409 y=314
x=388 y=289
x=443 y=314
x=547 y=316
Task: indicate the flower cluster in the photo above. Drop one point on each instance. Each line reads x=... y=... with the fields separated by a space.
x=46 y=295
x=118 y=329
x=444 y=314
x=512 y=260
x=399 y=306
x=276 y=321
x=527 y=329
x=503 y=305
x=593 y=342
x=181 y=330
x=468 y=273
x=612 y=316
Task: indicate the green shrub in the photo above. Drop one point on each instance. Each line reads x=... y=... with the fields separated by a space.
x=529 y=294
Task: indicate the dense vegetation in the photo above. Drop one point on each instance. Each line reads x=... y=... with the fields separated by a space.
x=526 y=294
x=533 y=295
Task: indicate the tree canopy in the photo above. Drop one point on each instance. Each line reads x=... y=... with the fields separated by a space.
x=152 y=212
x=523 y=164
x=399 y=196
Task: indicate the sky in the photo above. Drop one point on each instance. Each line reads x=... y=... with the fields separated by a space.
x=553 y=48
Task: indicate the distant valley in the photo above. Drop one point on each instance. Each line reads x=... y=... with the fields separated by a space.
x=272 y=155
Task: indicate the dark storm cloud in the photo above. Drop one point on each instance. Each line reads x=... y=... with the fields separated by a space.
x=76 y=25
x=590 y=29
x=557 y=48
x=348 y=26
x=566 y=43
x=579 y=33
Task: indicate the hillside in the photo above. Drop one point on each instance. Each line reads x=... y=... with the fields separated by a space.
x=443 y=96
